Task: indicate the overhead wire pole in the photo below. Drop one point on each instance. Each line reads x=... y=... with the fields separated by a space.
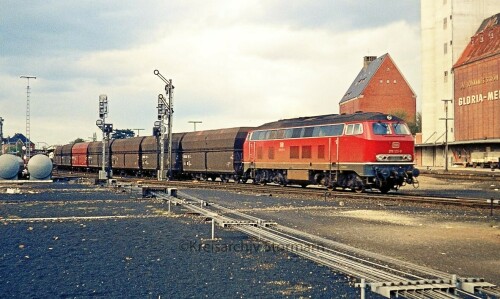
x=138 y=131
x=1 y=133
x=28 y=120
x=194 y=122
x=169 y=89
x=446 y=133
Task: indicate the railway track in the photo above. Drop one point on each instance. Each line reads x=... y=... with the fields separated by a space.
x=386 y=276
x=312 y=191
x=319 y=192
x=466 y=175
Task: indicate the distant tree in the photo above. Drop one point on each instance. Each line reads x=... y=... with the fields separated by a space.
x=415 y=126
x=122 y=134
x=78 y=140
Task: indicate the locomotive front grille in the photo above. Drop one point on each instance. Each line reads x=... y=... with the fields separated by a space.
x=393 y=158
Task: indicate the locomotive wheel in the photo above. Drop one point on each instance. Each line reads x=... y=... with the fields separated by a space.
x=359 y=189
x=385 y=189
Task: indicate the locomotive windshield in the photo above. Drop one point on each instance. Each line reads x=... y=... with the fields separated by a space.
x=380 y=128
x=400 y=129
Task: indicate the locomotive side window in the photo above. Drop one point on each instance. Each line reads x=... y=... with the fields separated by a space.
x=333 y=130
x=358 y=129
x=272 y=134
x=349 y=130
x=316 y=131
x=400 y=129
x=256 y=135
x=354 y=129
x=381 y=129
x=308 y=132
x=288 y=133
x=265 y=135
x=297 y=132
x=280 y=134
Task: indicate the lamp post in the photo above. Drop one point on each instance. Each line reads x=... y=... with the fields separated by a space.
x=446 y=133
x=138 y=131
x=28 y=121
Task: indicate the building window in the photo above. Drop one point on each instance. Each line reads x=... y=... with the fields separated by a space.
x=445 y=48
x=445 y=23
x=445 y=76
x=388 y=81
x=381 y=81
x=394 y=81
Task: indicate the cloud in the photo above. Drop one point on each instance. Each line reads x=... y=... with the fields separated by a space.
x=232 y=63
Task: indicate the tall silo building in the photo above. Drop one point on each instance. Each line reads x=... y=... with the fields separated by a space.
x=447 y=27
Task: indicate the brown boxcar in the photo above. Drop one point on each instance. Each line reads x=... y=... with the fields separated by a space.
x=66 y=155
x=58 y=155
x=150 y=158
x=214 y=153
x=95 y=154
x=125 y=154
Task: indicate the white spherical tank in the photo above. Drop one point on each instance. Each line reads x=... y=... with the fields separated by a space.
x=9 y=167
x=40 y=167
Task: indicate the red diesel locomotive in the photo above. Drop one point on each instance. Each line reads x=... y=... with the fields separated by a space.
x=357 y=151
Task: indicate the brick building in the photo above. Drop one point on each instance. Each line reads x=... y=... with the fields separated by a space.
x=380 y=87
x=477 y=85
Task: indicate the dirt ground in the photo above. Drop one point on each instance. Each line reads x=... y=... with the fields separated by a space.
x=457 y=240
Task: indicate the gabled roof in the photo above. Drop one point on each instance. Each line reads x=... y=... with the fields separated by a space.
x=15 y=138
x=361 y=82
x=485 y=43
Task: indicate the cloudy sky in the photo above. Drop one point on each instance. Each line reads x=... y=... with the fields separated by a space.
x=233 y=63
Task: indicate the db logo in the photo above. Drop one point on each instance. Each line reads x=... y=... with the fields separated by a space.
x=395 y=145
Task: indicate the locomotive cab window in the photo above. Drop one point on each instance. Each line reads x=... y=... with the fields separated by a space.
x=380 y=128
x=400 y=129
x=260 y=135
x=354 y=129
